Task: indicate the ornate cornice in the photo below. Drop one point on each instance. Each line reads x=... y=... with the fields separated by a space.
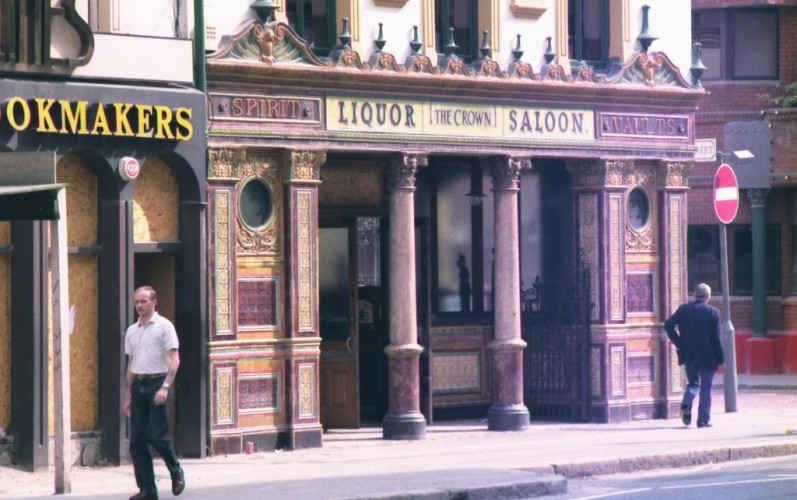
x=276 y=44
x=403 y=169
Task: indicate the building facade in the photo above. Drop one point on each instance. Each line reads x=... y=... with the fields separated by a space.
x=748 y=51
x=390 y=193
x=127 y=134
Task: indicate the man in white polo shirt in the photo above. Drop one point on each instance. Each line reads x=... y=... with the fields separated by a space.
x=151 y=346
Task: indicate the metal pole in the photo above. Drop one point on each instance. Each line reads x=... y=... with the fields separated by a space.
x=728 y=333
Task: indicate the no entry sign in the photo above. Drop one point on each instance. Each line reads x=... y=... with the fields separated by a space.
x=726 y=194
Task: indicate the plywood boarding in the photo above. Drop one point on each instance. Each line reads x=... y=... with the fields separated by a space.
x=5 y=233
x=156 y=203
x=5 y=343
x=81 y=201
x=83 y=341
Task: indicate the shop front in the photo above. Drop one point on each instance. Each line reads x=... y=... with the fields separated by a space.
x=133 y=161
x=374 y=229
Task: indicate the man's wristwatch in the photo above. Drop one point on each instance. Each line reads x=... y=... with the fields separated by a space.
x=165 y=385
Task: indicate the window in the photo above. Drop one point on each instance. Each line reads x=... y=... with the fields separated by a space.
x=703 y=254
x=315 y=21
x=588 y=31
x=738 y=43
x=460 y=15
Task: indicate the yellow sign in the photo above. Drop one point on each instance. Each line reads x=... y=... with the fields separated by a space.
x=448 y=119
x=118 y=119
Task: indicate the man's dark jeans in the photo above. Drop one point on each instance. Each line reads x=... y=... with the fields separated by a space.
x=149 y=425
x=699 y=380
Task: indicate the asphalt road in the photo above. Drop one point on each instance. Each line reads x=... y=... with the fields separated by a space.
x=752 y=479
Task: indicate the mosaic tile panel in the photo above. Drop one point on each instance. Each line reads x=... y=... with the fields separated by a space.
x=456 y=372
x=596 y=366
x=589 y=244
x=258 y=303
x=641 y=369
x=639 y=296
x=618 y=370
x=224 y=396
x=307 y=390
x=306 y=256
x=676 y=241
x=677 y=375
x=616 y=247
x=259 y=393
x=223 y=272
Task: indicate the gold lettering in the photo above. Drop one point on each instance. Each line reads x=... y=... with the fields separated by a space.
x=183 y=117
x=144 y=116
x=123 y=127
x=163 y=119
x=75 y=119
x=101 y=122
x=18 y=103
x=46 y=123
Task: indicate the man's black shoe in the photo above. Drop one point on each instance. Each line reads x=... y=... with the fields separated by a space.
x=145 y=495
x=178 y=482
x=686 y=415
x=704 y=424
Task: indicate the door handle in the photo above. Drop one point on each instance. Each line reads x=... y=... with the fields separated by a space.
x=348 y=345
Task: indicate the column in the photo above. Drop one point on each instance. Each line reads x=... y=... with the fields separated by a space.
x=507 y=413
x=760 y=349
x=758 y=206
x=404 y=419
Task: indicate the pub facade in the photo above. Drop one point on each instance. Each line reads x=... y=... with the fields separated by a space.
x=386 y=229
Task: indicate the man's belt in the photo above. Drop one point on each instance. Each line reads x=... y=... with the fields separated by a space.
x=148 y=376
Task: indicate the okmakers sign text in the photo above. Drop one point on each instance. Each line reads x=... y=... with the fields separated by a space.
x=459 y=120
x=51 y=116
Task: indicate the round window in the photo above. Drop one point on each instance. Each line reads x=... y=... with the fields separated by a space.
x=256 y=203
x=638 y=209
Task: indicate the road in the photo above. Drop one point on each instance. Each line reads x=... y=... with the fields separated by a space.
x=751 y=479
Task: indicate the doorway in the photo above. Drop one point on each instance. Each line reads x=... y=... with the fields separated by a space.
x=353 y=322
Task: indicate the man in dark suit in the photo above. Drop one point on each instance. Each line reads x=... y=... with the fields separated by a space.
x=695 y=330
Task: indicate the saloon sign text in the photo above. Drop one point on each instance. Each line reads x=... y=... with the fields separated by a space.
x=449 y=119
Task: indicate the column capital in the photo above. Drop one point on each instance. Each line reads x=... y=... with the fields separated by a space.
x=506 y=170
x=303 y=165
x=758 y=197
x=402 y=170
x=601 y=173
x=674 y=173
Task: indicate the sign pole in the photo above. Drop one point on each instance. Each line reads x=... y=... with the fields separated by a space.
x=728 y=333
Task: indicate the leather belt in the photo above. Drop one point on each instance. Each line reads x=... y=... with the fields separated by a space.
x=148 y=376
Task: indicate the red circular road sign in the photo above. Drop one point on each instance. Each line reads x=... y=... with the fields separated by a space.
x=726 y=194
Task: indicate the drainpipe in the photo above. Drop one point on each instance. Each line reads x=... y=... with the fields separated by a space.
x=199 y=45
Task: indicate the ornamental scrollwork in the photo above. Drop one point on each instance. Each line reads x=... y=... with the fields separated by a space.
x=402 y=170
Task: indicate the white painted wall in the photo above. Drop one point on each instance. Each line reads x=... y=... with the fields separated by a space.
x=671 y=21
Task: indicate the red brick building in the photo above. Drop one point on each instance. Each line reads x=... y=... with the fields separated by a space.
x=750 y=50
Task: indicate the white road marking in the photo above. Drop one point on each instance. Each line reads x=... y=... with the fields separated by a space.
x=615 y=494
x=729 y=483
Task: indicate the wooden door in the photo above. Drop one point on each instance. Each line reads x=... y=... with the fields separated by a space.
x=339 y=336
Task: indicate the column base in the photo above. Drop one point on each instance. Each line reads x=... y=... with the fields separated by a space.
x=404 y=426
x=507 y=418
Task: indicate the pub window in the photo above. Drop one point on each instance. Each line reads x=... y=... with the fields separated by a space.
x=703 y=254
x=462 y=16
x=315 y=21
x=588 y=31
x=738 y=44
x=458 y=202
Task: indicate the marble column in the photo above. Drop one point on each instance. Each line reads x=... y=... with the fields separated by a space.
x=507 y=413
x=404 y=419
x=758 y=206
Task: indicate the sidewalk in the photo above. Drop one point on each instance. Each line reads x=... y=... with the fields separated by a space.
x=462 y=459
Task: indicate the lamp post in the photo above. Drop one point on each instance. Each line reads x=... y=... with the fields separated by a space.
x=726 y=192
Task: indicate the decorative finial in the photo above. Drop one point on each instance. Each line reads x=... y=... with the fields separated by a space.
x=645 y=38
x=345 y=37
x=517 y=53
x=697 y=67
x=265 y=9
x=485 y=49
x=380 y=41
x=450 y=47
x=415 y=44
x=549 y=53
